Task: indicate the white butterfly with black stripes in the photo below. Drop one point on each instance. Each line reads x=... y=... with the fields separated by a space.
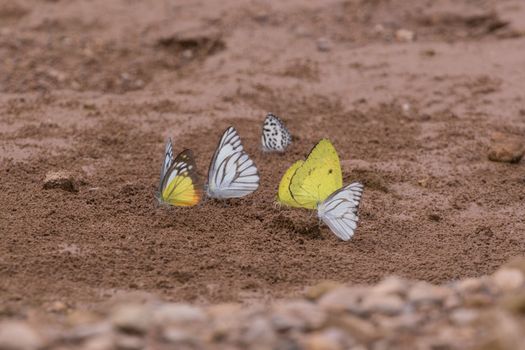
x=275 y=136
x=232 y=173
x=339 y=210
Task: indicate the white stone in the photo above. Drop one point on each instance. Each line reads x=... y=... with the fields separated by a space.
x=386 y=304
x=16 y=335
x=179 y=313
x=508 y=279
x=131 y=318
x=423 y=292
x=405 y=35
x=298 y=314
x=390 y=285
x=463 y=317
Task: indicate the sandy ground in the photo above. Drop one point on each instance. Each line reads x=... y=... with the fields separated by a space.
x=94 y=88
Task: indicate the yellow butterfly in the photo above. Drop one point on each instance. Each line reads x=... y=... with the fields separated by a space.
x=179 y=184
x=307 y=183
x=317 y=183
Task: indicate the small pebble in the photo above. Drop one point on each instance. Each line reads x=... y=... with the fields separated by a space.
x=179 y=314
x=330 y=339
x=129 y=342
x=15 y=335
x=423 y=292
x=405 y=35
x=390 y=285
x=324 y=44
x=299 y=315
x=463 y=317
x=60 y=180
x=505 y=148
x=131 y=318
x=508 y=280
x=320 y=289
x=386 y=304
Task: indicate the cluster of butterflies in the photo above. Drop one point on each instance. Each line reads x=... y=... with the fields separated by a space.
x=313 y=183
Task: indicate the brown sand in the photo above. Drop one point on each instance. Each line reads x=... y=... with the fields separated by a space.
x=95 y=89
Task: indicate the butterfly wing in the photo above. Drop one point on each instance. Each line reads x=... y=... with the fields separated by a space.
x=339 y=210
x=318 y=177
x=168 y=160
x=180 y=186
x=284 y=196
x=275 y=136
x=232 y=173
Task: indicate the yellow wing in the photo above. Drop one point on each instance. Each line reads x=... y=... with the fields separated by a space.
x=284 y=196
x=180 y=186
x=318 y=177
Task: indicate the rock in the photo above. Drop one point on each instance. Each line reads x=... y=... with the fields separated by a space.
x=462 y=317
x=57 y=306
x=329 y=339
x=505 y=148
x=15 y=335
x=131 y=318
x=405 y=35
x=452 y=301
x=363 y=331
x=224 y=319
x=258 y=333
x=422 y=293
x=179 y=314
x=320 y=289
x=129 y=342
x=324 y=44
x=298 y=315
x=390 y=285
x=470 y=285
x=343 y=299
x=179 y=337
x=508 y=279
x=385 y=304
x=517 y=263
x=514 y=302
x=60 y=180
x=477 y=300
x=504 y=332
x=99 y=343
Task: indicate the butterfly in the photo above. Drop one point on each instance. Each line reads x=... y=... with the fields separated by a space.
x=232 y=174
x=179 y=184
x=317 y=183
x=275 y=137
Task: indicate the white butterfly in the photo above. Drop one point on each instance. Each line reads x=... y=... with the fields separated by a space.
x=168 y=160
x=275 y=137
x=232 y=173
x=339 y=210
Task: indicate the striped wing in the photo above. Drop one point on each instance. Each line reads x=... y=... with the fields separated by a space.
x=275 y=136
x=339 y=210
x=168 y=160
x=232 y=173
x=180 y=186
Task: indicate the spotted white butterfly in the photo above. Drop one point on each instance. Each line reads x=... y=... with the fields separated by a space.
x=275 y=136
x=339 y=210
x=232 y=174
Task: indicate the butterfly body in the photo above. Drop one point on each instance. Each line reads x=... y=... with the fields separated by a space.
x=232 y=174
x=275 y=136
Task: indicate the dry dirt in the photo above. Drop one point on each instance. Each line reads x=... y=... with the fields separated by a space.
x=94 y=88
